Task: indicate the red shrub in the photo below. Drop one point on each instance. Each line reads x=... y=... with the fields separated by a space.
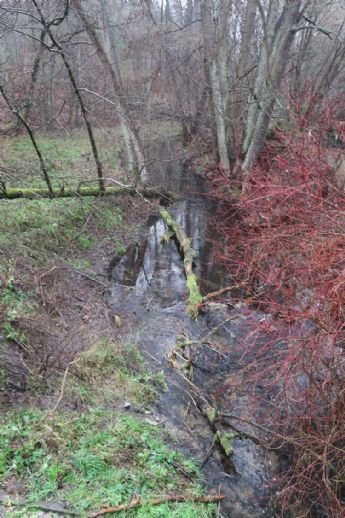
x=288 y=245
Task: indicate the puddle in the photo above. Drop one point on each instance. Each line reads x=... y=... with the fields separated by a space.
x=148 y=292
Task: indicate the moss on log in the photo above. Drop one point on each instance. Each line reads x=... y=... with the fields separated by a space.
x=194 y=295
x=14 y=193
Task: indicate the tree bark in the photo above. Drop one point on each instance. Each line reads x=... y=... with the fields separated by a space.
x=194 y=295
x=243 y=75
x=11 y=193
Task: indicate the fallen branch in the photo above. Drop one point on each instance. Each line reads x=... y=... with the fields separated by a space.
x=137 y=502
x=13 y=193
x=216 y=294
x=194 y=297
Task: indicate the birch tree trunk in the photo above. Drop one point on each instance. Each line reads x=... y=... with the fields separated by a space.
x=273 y=60
x=215 y=24
x=136 y=160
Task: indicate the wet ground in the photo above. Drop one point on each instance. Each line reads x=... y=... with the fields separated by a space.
x=148 y=293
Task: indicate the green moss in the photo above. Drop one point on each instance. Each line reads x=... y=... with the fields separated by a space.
x=195 y=297
x=211 y=414
x=225 y=440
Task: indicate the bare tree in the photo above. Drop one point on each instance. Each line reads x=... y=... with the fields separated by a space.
x=133 y=146
x=56 y=45
x=31 y=134
x=244 y=72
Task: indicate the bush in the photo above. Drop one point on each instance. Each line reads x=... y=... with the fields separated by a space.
x=287 y=245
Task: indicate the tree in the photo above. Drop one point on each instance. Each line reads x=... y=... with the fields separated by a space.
x=214 y=16
x=47 y=25
x=136 y=160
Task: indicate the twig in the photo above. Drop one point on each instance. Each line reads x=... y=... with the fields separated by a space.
x=208 y=454
x=137 y=502
x=45 y=507
x=218 y=293
x=62 y=390
x=90 y=278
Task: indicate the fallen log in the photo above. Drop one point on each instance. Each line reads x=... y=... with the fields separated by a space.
x=14 y=193
x=137 y=502
x=194 y=295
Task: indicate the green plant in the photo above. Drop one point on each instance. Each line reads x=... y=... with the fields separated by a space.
x=109 y=371
x=64 y=455
x=84 y=242
x=80 y=264
x=110 y=218
x=11 y=303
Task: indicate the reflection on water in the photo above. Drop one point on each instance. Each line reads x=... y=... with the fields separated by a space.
x=153 y=268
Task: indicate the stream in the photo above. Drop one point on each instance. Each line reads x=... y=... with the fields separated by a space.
x=148 y=292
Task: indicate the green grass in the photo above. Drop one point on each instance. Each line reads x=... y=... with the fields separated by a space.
x=100 y=456
x=48 y=225
x=68 y=158
x=94 y=459
x=13 y=301
x=110 y=371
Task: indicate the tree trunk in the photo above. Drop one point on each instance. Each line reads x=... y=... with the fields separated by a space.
x=10 y=193
x=273 y=60
x=243 y=75
x=84 y=111
x=215 y=47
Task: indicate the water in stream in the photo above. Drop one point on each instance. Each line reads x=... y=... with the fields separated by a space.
x=149 y=293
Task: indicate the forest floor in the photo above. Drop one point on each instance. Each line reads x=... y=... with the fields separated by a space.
x=76 y=423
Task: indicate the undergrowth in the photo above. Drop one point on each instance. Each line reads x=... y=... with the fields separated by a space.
x=98 y=454
x=108 y=372
x=284 y=242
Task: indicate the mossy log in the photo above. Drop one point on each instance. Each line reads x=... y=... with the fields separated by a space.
x=14 y=193
x=194 y=295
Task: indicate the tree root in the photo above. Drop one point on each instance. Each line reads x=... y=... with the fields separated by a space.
x=137 y=502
